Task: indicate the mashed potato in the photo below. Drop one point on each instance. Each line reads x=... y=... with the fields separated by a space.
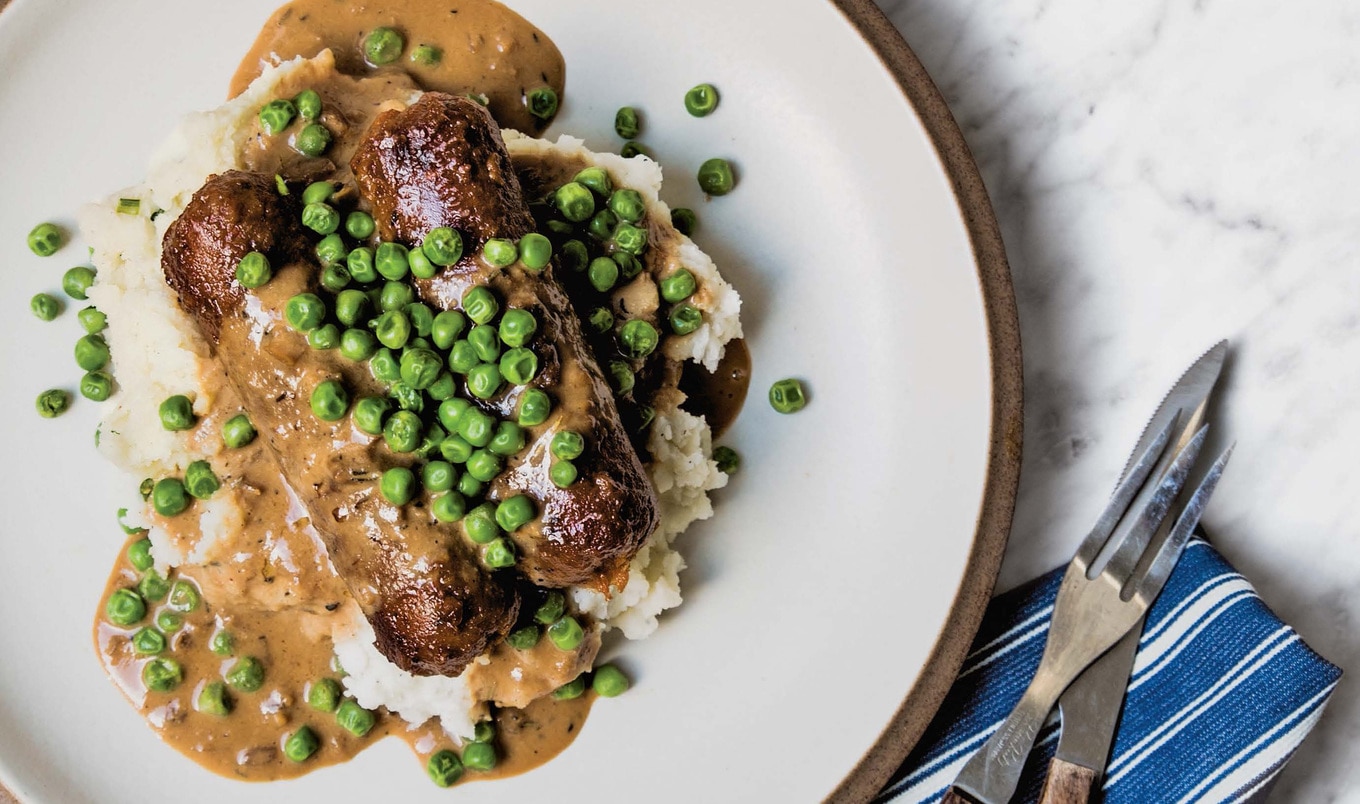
x=157 y=348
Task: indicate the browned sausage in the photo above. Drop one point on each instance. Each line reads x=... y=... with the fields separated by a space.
x=442 y=163
x=433 y=605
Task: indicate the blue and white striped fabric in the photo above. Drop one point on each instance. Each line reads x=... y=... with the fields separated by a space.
x=1222 y=693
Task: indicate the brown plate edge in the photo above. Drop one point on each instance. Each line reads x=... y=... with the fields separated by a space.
x=918 y=708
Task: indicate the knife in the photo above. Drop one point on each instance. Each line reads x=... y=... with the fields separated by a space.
x=1090 y=707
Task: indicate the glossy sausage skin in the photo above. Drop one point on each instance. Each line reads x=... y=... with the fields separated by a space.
x=442 y=162
x=433 y=605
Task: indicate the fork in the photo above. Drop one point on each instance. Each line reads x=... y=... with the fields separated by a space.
x=1093 y=610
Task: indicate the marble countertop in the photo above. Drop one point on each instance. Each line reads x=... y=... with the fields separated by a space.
x=1166 y=175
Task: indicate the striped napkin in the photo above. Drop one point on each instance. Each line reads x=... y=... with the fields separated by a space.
x=1222 y=694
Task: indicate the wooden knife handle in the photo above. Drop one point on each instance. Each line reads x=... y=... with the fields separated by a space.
x=1066 y=783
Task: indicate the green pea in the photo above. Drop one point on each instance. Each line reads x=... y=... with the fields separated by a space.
x=139 y=555
x=222 y=643
x=560 y=228
x=574 y=201
x=484 y=380
x=280 y=185
x=499 y=253
x=246 y=675
x=421 y=267
x=562 y=474
x=443 y=246
x=91 y=353
x=369 y=413
x=517 y=327
x=519 y=366
x=685 y=318
x=621 y=376
x=354 y=719
x=324 y=337
x=480 y=304
x=727 y=459
x=456 y=449
x=444 y=768
x=253 y=270
x=168 y=621
x=169 y=496
x=629 y=239
x=479 y=756
x=566 y=634
x=330 y=401
x=96 y=386
x=486 y=342
x=420 y=368
x=125 y=607
x=184 y=597
x=596 y=178
x=523 y=638
x=45 y=239
x=351 y=307
x=392 y=261
x=200 y=480
x=357 y=344
x=145 y=488
x=238 y=431
x=320 y=218
x=715 y=177
x=701 y=100
x=542 y=102
x=427 y=56
x=515 y=512
x=484 y=465
x=462 y=357
x=480 y=524
x=277 y=115
x=450 y=411
x=384 y=366
x=508 y=441
x=402 y=431
x=422 y=318
x=360 y=225
x=46 y=307
x=567 y=445
x=383 y=46
x=335 y=277
x=534 y=407
x=444 y=387
x=397 y=296
x=638 y=338
x=52 y=403
x=398 y=485
x=551 y=609
x=609 y=681
x=571 y=690
x=600 y=320
x=632 y=148
x=678 y=286
x=360 y=265
x=683 y=220
x=628 y=205
x=305 y=312
x=449 y=507
x=629 y=266
x=575 y=256
x=324 y=694
x=76 y=281
x=788 y=396
x=499 y=554
x=331 y=249
x=213 y=700
x=535 y=251
x=626 y=123
x=446 y=328
x=603 y=274
x=308 y=104
x=392 y=328
x=602 y=224
x=319 y=192
x=438 y=476
x=470 y=486
x=312 y=140
x=153 y=587
x=162 y=674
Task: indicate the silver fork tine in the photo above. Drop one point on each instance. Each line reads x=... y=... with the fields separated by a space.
x=1150 y=585
x=1125 y=558
x=1124 y=494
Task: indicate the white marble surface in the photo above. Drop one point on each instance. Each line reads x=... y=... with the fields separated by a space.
x=1168 y=174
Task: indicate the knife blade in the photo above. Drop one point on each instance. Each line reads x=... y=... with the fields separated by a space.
x=1090 y=708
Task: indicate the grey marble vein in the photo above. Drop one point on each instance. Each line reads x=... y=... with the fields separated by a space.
x=1168 y=174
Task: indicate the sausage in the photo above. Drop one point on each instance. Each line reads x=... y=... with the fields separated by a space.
x=433 y=605
x=442 y=162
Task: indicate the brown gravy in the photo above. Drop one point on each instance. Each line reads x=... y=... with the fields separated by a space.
x=719 y=396
x=486 y=48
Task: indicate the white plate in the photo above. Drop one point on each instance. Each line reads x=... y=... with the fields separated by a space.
x=817 y=594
